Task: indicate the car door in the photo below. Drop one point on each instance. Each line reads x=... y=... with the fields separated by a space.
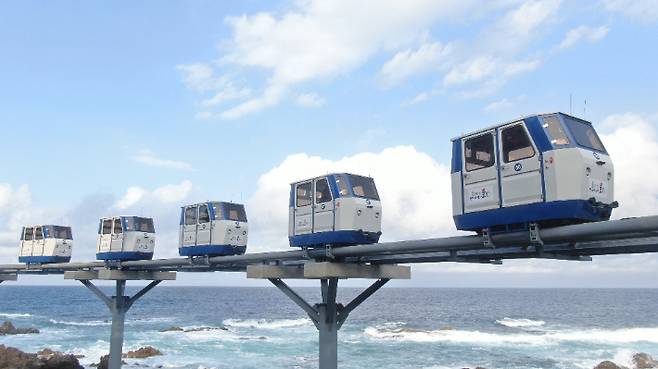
x=480 y=172
x=520 y=167
x=28 y=241
x=105 y=235
x=189 y=225
x=304 y=208
x=203 y=226
x=116 y=242
x=39 y=242
x=323 y=207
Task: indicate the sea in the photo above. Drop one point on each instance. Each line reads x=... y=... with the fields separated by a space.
x=431 y=328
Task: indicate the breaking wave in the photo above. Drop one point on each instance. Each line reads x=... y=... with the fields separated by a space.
x=266 y=323
x=520 y=323
x=619 y=336
x=15 y=315
x=92 y=323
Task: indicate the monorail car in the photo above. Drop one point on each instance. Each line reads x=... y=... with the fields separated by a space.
x=337 y=209
x=45 y=244
x=549 y=169
x=125 y=238
x=213 y=228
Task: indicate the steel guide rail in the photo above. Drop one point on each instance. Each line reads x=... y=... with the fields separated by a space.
x=572 y=242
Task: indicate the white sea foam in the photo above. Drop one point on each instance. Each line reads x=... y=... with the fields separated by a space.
x=266 y=323
x=91 y=323
x=15 y=315
x=619 y=336
x=520 y=323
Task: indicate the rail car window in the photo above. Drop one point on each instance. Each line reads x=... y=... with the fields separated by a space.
x=364 y=187
x=304 y=194
x=38 y=233
x=217 y=209
x=479 y=152
x=235 y=212
x=322 y=192
x=107 y=226
x=117 y=226
x=29 y=234
x=555 y=131
x=342 y=185
x=190 y=215
x=584 y=134
x=62 y=233
x=139 y=224
x=204 y=217
x=516 y=144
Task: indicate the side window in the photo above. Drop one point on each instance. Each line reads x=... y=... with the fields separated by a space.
x=38 y=233
x=322 y=191
x=204 y=216
x=304 y=194
x=342 y=185
x=555 y=131
x=29 y=234
x=516 y=144
x=117 y=226
x=479 y=152
x=190 y=215
x=107 y=226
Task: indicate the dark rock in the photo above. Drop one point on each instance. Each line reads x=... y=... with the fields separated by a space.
x=45 y=359
x=608 y=365
x=104 y=362
x=8 y=328
x=143 y=352
x=172 y=329
x=644 y=361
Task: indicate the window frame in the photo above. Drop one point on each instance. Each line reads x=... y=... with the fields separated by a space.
x=110 y=221
x=567 y=124
x=31 y=234
x=491 y=134
x=315 y=193
x=505 y=156
x=195 y=212
x=198 y=218
x=310 y=197
x=114 y=223
x=34 y=233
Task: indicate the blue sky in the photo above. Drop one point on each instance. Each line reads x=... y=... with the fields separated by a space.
x=143 y=106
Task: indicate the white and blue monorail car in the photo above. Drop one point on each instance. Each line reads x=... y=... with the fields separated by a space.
x=336 y=209
x=213 y=228
x=549 y=169
x=125 y=238
x=45 y=244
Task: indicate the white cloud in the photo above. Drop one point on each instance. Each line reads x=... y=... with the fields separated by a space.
x=633 y=145
x=310 y=100
x=148 y=158
x=229 y=92
x=408 y=62
x=583 y=33
x=419 y=98
x=414 y=188
x=503 y=104
x=199 y=76
x=644 y=10
x=168 y=194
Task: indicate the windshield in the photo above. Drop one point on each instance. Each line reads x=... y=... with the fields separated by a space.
x=235 y=212
x=584 y=134
x=363 y=187
x=140 y=224
x=60 y=232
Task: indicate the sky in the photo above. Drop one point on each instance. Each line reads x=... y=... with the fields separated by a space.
x=141 y=107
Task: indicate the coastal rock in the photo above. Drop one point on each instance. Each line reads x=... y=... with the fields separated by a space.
x=608 y=365
x=104 y=362
x=45 y=359
x=8 y=328
x=644 y=361
x=172 y=329
x=143 y=352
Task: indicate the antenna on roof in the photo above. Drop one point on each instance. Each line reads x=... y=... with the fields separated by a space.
x=570 y=105
x=585 y=110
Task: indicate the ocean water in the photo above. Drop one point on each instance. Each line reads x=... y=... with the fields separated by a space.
x=396 y=328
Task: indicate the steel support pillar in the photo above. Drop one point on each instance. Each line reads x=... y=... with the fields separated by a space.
x=119 y=304
x=328 y=316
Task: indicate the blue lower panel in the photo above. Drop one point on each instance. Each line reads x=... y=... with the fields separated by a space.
x=212 y=250
x=43 y=259
x=124 y=256
x=571 y=210
x=335 y=238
